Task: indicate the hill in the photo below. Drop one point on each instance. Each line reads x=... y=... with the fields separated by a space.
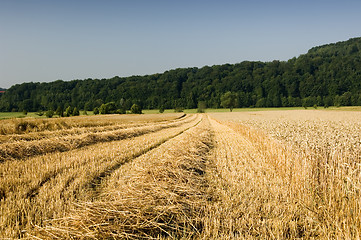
x=325 y=75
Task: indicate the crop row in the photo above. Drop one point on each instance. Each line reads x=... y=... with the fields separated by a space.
x=45 y=186
x=22 y=149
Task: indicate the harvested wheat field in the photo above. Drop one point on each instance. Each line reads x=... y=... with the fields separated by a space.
x=260 y=175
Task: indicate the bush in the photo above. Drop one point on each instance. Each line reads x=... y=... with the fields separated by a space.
x=68 y=111
x=25 y=112
x=76 y=112
x=120 y=111
x=59 y=111
x=96 y=111
x=136 y=109
x=229 y=100
x=49 y=113
x=201 y=107
x=161 y=109
x=178 y=109
x=107 y=108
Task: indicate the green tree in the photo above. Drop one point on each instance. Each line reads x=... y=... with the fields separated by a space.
x=107 y=108
x=323 y=73
x=68 y=111
x=161 y=109
x=96 y=110
x=59 y=111
x=49 y=113
x=136 y=109
x=178 y=109
x=261 y=103
x=76 y=112
x=201 y=107
x=103 y=109
x=229 y=100
x=120 y=111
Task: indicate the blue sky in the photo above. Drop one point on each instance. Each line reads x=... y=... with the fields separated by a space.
x=49 y=40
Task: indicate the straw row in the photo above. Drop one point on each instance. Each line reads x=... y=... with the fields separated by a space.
x=162 y=193
x=23 y=149
x=43 y=187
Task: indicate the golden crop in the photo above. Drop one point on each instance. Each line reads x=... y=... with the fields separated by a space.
x=259 y=175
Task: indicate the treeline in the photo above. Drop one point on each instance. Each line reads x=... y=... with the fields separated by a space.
x=326 y=75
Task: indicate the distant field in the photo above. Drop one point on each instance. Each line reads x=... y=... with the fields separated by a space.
x=6 y=115
x=271 y=174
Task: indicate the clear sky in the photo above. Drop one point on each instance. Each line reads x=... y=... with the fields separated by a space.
x=46 y=40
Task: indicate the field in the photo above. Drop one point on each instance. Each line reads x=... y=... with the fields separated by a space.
x=9 y=115
x=241 y=175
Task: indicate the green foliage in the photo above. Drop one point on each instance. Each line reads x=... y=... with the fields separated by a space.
x=49 y=113
x=136 y=109
x=108 y=108
x=178 y=109
x=40 y=113
x=120 y=111
x=261 y=103
x=25 y=112
x=329 y=74
x=201 y=107
x=68 y=111
x=76 y=112
x=96 y=111
x=59 y=111
x=229 y=100
x=161 y=109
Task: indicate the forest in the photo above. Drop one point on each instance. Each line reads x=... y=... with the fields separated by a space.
x=328 y=75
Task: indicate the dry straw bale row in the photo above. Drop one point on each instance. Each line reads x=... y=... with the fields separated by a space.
x=103 y=126
x=23 y=149
x=44 y=187
x=161 y=193
x=28 y=125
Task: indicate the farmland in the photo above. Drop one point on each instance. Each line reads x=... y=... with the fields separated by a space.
x=242 y=175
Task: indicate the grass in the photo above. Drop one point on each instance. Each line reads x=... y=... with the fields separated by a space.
x=5 y=115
